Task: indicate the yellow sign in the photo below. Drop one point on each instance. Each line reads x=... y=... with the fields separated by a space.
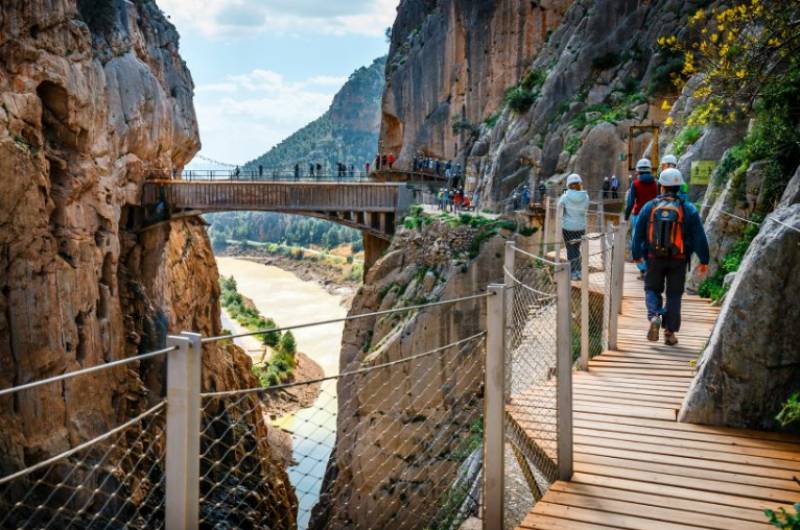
x=701 y=172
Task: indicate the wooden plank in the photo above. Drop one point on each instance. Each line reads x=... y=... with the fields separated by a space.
x=687 y=435
x=628 y=410
x=594 y=515
x=597 y=447
x=537 y=521
x=685 y=510
x=694 y=447
x=745 y=486
x=765 y=435
x=669 y=493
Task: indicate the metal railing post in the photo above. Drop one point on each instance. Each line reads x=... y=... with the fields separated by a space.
x=546 y=227
x=617 y=282
x=564 y=372
x=584 y=303
x=606 y=285
x=494 y=424
x=183 y=432
x=557 y=234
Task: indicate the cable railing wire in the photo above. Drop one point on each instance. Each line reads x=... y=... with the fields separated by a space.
x=347 y=318
x=83 y=371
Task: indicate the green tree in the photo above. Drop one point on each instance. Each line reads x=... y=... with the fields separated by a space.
x=288 y=345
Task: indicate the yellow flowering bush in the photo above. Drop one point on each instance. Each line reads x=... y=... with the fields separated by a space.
x=740 y=50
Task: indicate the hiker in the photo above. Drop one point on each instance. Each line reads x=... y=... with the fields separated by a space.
x=526 y=198
x=236 y=172
x=574 y=204
x=606 y=188
x=458 y=199
x=668 y=232
x=311 y=168
x=669 y=161
x=352 y=170
x=542 y=191
x=297 y=171
x=390 y=160
x=466 y=205
x=319 y=169
x=643 y=190
x=614 y=187
x=378 y=162
x=260 y=170
x=366 y=169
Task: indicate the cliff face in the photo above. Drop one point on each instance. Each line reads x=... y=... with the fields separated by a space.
x=402 y=433
x=92 y=96
x=453 y=60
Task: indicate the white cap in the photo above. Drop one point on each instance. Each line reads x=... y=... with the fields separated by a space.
x=574 y=179
x=670 y=159
x=671 y=177
x=644 y=165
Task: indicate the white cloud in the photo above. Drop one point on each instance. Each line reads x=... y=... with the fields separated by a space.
x=229 y=18
x=243 y=116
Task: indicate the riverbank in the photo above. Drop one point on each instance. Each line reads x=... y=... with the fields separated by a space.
x=336 y=275
x=304 y=438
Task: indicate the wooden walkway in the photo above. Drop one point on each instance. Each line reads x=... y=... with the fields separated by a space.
x=636 y=467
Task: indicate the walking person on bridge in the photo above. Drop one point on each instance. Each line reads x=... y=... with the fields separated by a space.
x=668 y=232
x=574 y=204
x=643 y=190
x=671 y=161
x=614 y=187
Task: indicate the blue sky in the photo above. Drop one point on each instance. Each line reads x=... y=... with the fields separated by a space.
x=264 y=68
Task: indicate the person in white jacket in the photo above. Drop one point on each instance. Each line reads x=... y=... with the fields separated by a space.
x=574 y=204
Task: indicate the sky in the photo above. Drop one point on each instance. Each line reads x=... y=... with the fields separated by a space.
x=264 y=68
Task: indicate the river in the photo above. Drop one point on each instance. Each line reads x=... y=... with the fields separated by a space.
x=288 y=300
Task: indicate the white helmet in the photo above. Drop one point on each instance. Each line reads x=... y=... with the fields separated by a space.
x=644 y=165
x=670 y=159
x=574 y=179
x=671 y=177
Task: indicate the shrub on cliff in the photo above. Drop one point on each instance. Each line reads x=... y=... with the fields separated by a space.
x=519 y=99
x=288 y=344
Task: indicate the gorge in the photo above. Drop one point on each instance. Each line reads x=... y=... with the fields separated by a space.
x=96 y=103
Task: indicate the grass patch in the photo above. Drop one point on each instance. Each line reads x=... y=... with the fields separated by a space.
x=687 y=137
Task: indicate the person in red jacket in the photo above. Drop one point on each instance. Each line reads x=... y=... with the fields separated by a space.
x=390 y=160
x=644 y=190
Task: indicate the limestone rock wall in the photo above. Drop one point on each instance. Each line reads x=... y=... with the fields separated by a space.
x=453 y=60
x=397 y=428
x=752 y=364
x=93 y=97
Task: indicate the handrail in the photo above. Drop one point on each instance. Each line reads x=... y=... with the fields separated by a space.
x=347 y=318
x=84 y=371
x=84 y=445
x=366 y=369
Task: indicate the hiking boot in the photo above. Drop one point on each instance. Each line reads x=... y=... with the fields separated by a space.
x=655 y=327
x=670 y=339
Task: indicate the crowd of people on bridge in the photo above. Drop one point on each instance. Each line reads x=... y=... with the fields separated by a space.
x=447 y=169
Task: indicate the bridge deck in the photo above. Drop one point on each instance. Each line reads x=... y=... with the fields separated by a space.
x=636 y=467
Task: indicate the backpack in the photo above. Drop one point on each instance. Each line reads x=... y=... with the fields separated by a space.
x=665 y=235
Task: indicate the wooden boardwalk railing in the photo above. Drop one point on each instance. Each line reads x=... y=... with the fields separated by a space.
x=636 y=467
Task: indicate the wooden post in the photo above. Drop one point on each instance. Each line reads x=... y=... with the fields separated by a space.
x=584 y=303
x=617 y=281
x=606 y=286
x=494 y=428
x=182 y=461
x=564 y=371
x=546 y=228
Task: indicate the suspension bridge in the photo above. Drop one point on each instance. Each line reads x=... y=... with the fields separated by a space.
x=555 y=369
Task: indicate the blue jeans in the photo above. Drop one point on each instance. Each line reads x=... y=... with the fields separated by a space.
x=643 y=265
x=665 y=275
x=572 y=241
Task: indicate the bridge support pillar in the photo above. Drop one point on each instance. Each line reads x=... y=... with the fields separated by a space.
x=374 y=247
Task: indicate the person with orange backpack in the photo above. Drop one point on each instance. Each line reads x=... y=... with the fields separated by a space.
x=666 y=235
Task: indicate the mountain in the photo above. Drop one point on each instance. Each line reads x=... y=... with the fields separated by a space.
x=347 y=132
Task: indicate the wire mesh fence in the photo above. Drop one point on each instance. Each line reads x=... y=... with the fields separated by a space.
x=410 y=463
x=113 y=481
x=531 y=374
